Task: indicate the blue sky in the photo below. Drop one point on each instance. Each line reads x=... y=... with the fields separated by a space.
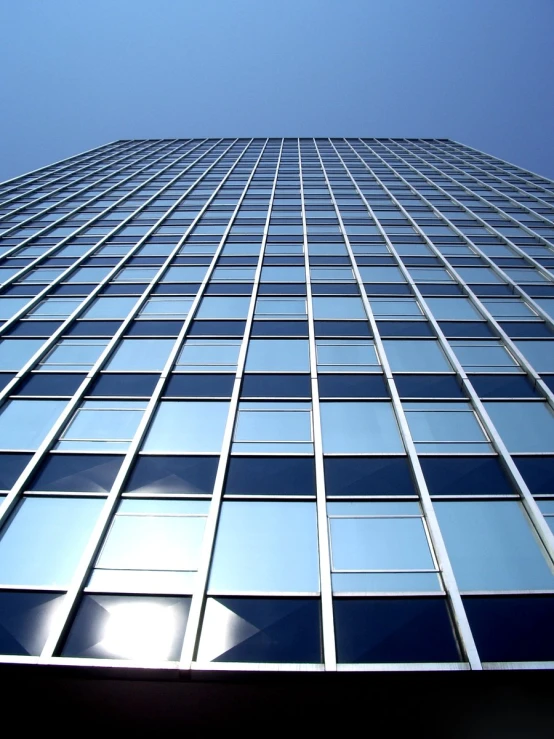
x=78 y=74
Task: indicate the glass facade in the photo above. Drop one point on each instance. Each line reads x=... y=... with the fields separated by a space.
x=277 y=402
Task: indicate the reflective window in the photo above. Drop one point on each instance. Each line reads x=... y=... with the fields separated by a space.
x=338 y=308
x=273 y=427
x=209 y=355
x=152 y=546
x=88 y=274
x=381 y=274
x=187 y=426
x=410 y=355
x=136 y=274
x=359 y=428
x=458 y=308
x=283 y=274
x=24 y=424
x=265 y=547
x=445 y=427
x=344 y=355
x=73 y=354
x=484 y=356
x=140 y=354
x=508 y=308
x=232 y=274
x=44 y=540
x=185 y=274
x=395 y=308
x=102 y=425
x=110 y=308
x=492 y=546
x=281 y=307
x=224 y=307
x=434 y=274
x=278 y=355
x=10 y=306
x=332 y=274
x=539 y=353
x=55 y=308
x=15 y=353
x=170 y=307
x=523 y=427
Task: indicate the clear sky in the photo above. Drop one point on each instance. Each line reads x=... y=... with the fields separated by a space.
x=76 y=74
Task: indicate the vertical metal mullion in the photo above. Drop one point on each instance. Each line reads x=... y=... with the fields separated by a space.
x=451 y=587
x=327 y=615
x=95 y=540
x=101 y=241
x=192 y=633
x=97 y=216
x=30 y=468
x=529 y=503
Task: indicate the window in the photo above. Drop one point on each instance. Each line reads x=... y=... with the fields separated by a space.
x=281 y=308
x=56 y=308
x=381 y=274
x=110 y=308
x=435 y=274
x=539 y=353
x=10 y=306
x=457 y=308
x=478 y=274
x=445 y=427
x=185 y=274
x=268 y=546
x=344 y=355
x=153 y=546
x=492 y=546
x=187 y=426
x=15 y=353
x=338 y=308
x=359 y=428
x=45 y=539
x=278 y=355
x=232 y=274
x=140 y=355
x=273 y=427
x=408 y=355
x=24 y=424
x=283 y=274
x=224 y=307
x=207 y=355
x=102 y=425
x=169 y=308
x=508 y=308
x=136 y=274
x=332 y=274
x=73 y=354
x=88 y=274
x=484 y=356
x=523 y=427
x=395 y=307
x=380 y=547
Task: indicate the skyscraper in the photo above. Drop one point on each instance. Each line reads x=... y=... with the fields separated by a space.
x=277 y=404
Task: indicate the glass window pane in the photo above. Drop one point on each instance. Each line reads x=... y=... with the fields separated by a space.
x=492 y=546
x=140 y=354
x=187 y=426
x=45 y=539
x=274 y=307
x=524 y=427
x=458 y=308
x=359 y=428
x=100 y=425
x=265 y=547
x=447 y=427
x=15 y=353
x=338 y=308
x=224 y=307
x=25 y=423
x=343 y=355
x=278 y=355
x=484 y=356
x=209 y=355
x=407 y=355
x=110 y=308
x=539 y=353
x=273 y=427
x=74 y=354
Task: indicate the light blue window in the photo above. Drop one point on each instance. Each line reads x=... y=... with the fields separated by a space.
x=73 y=354
x=413 y=249
x=24 y=424
x=265 y=547
x=324 y=250
x=281 y=308
x=273 y=427
x=15 y=353
x=283 y=274
x=395 y=307
x=525 y=275
x=233 y=274
x=478 y=274
x=110 y=308
x=380 y=547
x=547 y=304
x=381 y=274
x=278 y=355
x=187 y=426
x=73 y=250
x=346 y=355
x=136 y=274
x=430 y=274
x=223 y=307
x=42 y=274
x=44 y=541
x=185 y=274
x=445 y=427
x=492 y=546
x=153 y=546
x=508 y=308
x=332 y=274
x=524 y=427
x=489 y=355
x=209 y=355
x=102 y=425
x=56 y=308
x=6 y=273
x=457 y=308
x=155 y=250
x=539 y=353
x=10 y=306
x=359 y=428
x=413 y=355
x=338 y=308
x=89 y=274
x=170 y=307
x=141 y=355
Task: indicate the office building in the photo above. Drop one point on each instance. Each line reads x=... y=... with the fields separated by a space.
x=277 y=405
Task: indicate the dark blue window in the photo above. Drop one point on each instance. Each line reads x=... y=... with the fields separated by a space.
x=202 y=385
x=11 y=466
x=79 y=473
x=173 y=475
x=124 y=385
x=428 y=386
x=50 y=384
x=278 y=386
x=503 y=386
x=538 y=473
x=270 y=476
x=368 y=476
x=352 y=386
x=217 y=328
x=465 y=476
